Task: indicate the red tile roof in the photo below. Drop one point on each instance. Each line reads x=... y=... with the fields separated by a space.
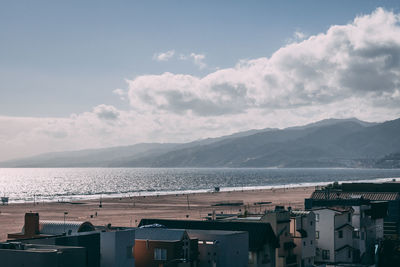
x=383 y=196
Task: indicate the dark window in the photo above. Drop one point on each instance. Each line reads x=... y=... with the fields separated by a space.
x=325 y=254
x=340 y=234
x=160 y=254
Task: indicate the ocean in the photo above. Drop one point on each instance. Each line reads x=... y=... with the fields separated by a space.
x=66 y=184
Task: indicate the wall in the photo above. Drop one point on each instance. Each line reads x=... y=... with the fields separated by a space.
x=116 y=248
x=326 y=229
x=90 y=241
x=305 y=253
x=144 y=252
x=225 y=248
x=53 y=256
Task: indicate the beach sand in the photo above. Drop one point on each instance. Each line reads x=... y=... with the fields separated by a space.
x=129 y=211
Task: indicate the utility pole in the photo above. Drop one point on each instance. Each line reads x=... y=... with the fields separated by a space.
x=65 y=214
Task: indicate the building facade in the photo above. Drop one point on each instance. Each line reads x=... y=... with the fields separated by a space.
x=334 y=236
x=302 y=229
x=221 y=248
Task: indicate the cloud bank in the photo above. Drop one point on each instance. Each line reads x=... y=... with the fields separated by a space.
x=359 y=61
x=351 y=70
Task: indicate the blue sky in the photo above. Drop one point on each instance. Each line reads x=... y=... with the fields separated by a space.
x=87 y=74
x=63 y=57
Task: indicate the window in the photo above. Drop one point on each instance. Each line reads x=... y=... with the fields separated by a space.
x=160 y=254
x=311 y=223
x=304 y=243
x=317 y=217
x=325 y=254
x=349 y=217
x=362 y=235
x=251 y=257
x=310 y=242
x=349 y=253
x=316 y=234
x=356 y=234
x=340 y=234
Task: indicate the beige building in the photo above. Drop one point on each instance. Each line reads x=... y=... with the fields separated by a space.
x=302 y=229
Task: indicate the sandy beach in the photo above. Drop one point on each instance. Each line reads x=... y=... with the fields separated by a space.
x=130 y=210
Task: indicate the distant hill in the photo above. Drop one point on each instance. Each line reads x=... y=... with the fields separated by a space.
x=389 y=161
x=108 y=157
x=327 y=143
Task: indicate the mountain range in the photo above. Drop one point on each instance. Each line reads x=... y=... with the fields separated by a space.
x=327 y=143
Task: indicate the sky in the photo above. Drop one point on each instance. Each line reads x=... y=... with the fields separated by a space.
x=90 y=74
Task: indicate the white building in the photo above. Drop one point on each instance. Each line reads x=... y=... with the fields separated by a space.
x=334 y=235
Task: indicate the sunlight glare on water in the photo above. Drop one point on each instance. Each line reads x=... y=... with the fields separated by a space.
x=53 y=184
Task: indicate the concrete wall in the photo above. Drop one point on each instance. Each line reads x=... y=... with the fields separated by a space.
x=224 y=248
x=326 y=229
x=341 y=219
x=344 y=256
x=116 y=248
x=347 y=238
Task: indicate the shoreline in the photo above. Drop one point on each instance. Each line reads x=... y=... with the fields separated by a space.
x=128 y=211
x=98 y=196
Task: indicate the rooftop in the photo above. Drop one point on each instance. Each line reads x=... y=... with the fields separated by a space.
x=159 y=234
x=260 y=233
x=335 y=194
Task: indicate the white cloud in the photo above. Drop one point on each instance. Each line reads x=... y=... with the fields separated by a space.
x=106 y=112
x=121 y=93
x=197 y=59
x=358 y=61
x=351 y=70
x=299 y=35
x=164 y=56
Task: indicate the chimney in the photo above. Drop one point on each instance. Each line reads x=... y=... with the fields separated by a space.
x=31 y=224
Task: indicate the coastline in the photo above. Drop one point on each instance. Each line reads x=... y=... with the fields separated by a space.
x=98 y=196
x=128 y=211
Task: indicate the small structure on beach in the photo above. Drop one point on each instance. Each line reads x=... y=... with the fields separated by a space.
x=4 y=200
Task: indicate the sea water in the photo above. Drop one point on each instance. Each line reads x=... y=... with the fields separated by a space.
x=65 y=184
